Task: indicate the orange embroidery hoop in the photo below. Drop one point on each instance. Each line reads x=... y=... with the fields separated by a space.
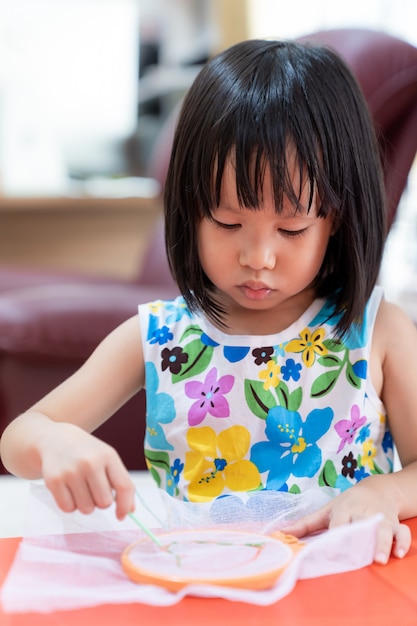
x=227 y=558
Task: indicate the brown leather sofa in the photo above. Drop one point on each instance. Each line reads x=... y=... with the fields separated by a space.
x=50 y=323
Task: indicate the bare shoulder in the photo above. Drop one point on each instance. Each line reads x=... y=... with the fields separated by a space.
x=123 y=346
x=128 y=331
x=393 y=326
x=395 y=346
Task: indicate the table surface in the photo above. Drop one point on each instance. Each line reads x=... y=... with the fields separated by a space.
x=375 y=595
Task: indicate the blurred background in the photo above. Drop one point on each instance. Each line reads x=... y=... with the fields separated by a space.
x=86 y=84
x=85 y=88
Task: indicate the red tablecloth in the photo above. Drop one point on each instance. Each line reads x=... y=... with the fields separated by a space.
x=373 y=596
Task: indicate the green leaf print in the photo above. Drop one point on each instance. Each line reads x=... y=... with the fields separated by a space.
x=199 y=357
x=289 y=400
x=283 y=394
x=377 y=470
x=158 y=459
x=191 y=330
x=258 y=399
x=333 y=345
x=295 y=399
x=330 y=360
x=324 y=383
x=328 y=475
x=354 y=380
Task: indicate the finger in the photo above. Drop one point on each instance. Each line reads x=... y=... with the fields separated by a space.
x=124 y=490
x=396 y=539
x=71 y=494
x=62 y=496
x=100 y=489
x=402 y=541
x=308 y=525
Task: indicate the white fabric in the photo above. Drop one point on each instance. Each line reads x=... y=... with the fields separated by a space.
x=71 y=561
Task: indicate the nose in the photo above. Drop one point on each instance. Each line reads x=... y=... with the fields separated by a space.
x=258 y=252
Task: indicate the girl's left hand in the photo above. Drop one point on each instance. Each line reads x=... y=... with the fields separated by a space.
x=361 y=501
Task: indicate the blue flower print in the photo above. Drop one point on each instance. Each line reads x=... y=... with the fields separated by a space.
x=160 y=410
x=208 y=341
x=176 y=470
x=152 y=327
x=361 y=473
x=161 y=335
x=173 y=477
x=360 y=368
x=326 y=315
x=235 y=353
x=232 y=353
x=342 y=483
x=356 y=337
x=291 y=369
x=280 y=349
x=176 y=310
x=387 y=442
x=292 y=447
x=364 y=434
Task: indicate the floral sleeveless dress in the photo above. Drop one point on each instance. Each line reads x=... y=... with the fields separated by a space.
x=291 y=411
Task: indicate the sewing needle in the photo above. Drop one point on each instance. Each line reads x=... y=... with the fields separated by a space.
x=145 y=529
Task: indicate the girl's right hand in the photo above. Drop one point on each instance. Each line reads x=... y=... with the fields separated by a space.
x=82 y=472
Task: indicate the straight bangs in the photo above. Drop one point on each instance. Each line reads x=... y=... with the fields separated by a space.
x=271 y=125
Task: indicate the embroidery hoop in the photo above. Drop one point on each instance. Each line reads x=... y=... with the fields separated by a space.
x=227 y=558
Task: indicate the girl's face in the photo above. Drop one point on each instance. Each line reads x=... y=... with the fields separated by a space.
x=263 y=263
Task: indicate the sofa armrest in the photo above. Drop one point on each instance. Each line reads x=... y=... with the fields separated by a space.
x=66 y=322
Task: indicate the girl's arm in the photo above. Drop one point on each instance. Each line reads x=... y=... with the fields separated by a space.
x=51 y=440
x=394 y=375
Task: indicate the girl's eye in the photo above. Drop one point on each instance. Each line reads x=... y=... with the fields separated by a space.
x=225 y=226
x=292 y=233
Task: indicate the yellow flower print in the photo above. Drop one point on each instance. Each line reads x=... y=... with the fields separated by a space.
x=309 y=344
x=270 y=375
x=216 y=461
x=369 y=452
x=300 y=446
x=155 y=307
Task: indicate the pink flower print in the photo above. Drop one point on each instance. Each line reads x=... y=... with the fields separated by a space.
x=347 y=429
x=209 y=397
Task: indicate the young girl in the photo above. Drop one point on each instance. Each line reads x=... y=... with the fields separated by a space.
x=281 y=366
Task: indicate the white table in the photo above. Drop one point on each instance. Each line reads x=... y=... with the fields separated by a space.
x=14 y=494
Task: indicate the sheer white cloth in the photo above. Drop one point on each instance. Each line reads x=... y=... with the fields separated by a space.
x=72 y=561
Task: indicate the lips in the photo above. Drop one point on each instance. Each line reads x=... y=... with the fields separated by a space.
x=255 y=290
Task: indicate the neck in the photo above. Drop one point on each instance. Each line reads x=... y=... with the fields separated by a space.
x=244 y=321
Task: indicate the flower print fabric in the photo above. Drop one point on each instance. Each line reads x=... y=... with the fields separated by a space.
x=290 y=411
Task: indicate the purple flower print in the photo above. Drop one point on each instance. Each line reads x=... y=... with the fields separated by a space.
x=347 y=429
x=209 y=397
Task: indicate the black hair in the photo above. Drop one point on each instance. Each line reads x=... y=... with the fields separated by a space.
x=254 y=100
